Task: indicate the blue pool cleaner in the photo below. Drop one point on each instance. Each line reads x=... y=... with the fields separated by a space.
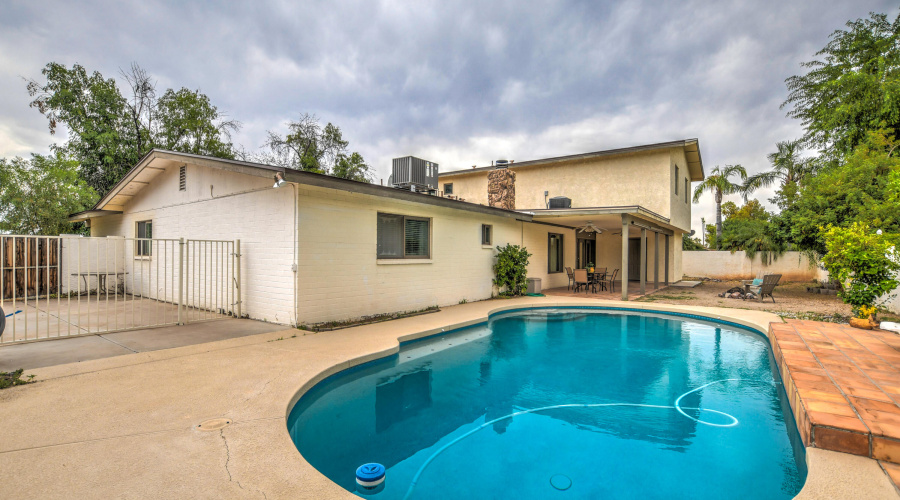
x=370 y=477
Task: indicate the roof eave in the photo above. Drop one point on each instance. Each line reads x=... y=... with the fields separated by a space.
x=90 y=214
x=684 y=143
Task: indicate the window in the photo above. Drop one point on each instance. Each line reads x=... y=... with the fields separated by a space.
x=487 y=234
x=687 y=186
x=554 y=253
x=402 y=237
x=448 y=188
x=676 y=180
x=182 y=178
x=143 y=229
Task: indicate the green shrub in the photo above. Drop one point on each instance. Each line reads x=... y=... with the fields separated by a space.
x=863 y=261
x=511 y=269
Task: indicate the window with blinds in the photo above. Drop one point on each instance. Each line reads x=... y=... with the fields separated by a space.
x=402 y=237
x=182 y=178
x=142 y=247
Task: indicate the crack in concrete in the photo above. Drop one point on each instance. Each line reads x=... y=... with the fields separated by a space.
x=228 y=460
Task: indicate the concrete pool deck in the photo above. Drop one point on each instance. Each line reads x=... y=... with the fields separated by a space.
x=127 y=426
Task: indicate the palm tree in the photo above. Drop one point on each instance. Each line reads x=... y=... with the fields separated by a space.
x=718 y=182
x=787 y=167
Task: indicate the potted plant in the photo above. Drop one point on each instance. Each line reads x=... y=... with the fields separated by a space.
x=590 y=267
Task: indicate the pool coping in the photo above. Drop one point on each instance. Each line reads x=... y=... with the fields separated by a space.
x=152 y=401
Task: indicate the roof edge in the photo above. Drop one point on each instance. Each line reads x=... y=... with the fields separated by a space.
x=291 y=175
x=607 y=152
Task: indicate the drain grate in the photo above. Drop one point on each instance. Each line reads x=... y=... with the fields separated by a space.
x=214 y=424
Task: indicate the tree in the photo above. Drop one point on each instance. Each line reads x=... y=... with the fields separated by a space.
x=109 y=133
x=788 y=169
x=864 y=261
x=748 y=228
x=688 y=243
x=39 y=194
x=94 y=112
x=307 y=145
x=862 y=187
x=751 y=210
x=853 y=89
x=189 y=123
x=719 y=183
x=753 y=236
x=352 y=167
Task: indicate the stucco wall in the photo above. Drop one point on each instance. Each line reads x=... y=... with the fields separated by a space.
x=680 y=208
x=220 y=205
x=793 y=266
x=536 y=239
x=644 y=179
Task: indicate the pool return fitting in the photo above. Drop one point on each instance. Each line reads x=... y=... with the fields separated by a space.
x=675 y=406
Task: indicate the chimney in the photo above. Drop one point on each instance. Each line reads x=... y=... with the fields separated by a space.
x=502 y=188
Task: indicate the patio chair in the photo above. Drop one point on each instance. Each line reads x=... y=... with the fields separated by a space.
x=599 y=277
x=571 y=278
x=581 y=279
x=769 y=282
x=611 y=280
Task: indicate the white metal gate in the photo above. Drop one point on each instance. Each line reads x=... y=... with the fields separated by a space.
x=62 y=286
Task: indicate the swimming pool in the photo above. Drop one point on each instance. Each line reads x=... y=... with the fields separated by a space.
x=562 y=403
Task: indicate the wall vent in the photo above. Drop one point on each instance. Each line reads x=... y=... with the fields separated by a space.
x=182 y=178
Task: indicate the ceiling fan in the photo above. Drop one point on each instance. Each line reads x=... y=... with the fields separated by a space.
x=590 y=228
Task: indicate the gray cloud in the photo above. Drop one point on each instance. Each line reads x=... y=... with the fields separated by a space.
x=460 y=83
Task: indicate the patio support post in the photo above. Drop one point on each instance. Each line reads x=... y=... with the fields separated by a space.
x=656 y=261
x=643 y=261
x=624 y=272
x=667 y=260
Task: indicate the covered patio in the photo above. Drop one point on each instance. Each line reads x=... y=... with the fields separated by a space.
x=635 y=241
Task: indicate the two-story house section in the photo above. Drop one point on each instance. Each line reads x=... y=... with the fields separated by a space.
x=628 y=207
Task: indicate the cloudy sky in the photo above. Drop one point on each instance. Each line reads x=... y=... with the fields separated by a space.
x=459 y=83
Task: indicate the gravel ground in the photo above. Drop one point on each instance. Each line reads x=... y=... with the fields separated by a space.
x=791 y=300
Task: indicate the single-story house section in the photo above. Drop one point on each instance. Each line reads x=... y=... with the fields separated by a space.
x=320 y=248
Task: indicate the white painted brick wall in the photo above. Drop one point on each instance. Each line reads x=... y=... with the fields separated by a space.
x=261 y=217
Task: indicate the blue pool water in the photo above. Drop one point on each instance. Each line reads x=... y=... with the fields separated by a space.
x=562 y=403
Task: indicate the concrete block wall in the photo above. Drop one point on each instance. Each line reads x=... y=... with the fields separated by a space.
x=724 y=265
